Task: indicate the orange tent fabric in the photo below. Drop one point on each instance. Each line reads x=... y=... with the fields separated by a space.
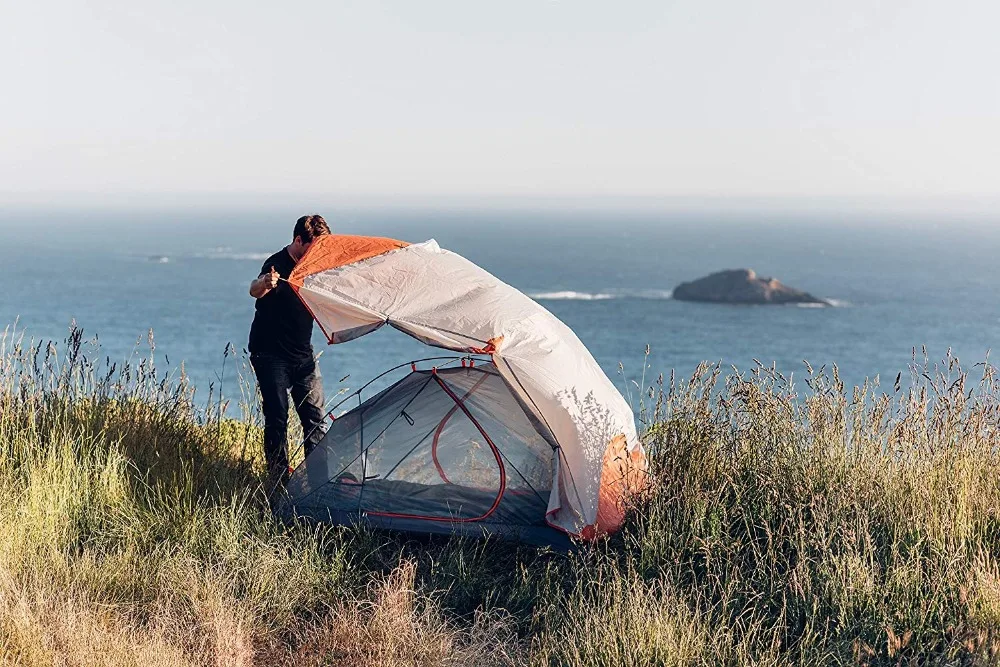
x=332 y=250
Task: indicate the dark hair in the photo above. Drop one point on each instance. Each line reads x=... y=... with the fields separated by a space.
x=309 y=227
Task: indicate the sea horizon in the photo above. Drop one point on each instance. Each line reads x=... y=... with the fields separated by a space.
x=182 y=271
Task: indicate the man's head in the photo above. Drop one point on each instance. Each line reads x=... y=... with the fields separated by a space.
x=307 y=228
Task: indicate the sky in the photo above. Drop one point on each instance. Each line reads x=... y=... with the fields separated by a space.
x=521 y=98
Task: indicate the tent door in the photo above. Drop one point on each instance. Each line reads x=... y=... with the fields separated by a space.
x=453 y=471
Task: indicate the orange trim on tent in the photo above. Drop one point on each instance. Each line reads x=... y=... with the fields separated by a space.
x=623 y=474
x=332 y=250
x=492 y=345
x=295 y=288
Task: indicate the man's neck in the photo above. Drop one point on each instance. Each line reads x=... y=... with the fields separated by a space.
x=288 y=249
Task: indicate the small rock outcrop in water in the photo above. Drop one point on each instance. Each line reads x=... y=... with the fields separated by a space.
x=742 y=286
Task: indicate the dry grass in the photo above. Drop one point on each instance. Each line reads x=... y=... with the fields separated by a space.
x=827 y=526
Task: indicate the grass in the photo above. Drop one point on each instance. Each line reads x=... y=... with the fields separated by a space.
x=782 y=527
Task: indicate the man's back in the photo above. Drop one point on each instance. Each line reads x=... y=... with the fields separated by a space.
x=282 y=325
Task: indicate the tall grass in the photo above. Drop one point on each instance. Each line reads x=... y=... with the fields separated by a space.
x=783 y=525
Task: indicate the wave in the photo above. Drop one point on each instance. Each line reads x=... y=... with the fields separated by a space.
x=651 y=294
x=570 y=295
x=225 y=252
x=835 y=303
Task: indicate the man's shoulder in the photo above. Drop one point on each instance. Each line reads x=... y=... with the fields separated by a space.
x=281 y=260
x=281 y=256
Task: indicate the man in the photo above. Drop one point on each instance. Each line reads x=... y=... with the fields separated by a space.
x=281 y=352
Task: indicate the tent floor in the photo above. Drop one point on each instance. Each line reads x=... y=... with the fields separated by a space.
x=428 y=508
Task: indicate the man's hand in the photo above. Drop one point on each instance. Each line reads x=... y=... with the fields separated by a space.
x=264 y=283
x=272 y=279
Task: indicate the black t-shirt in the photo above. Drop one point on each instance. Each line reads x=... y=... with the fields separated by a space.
x=282 y=325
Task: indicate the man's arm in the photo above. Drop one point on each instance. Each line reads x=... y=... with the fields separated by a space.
x=264 y=283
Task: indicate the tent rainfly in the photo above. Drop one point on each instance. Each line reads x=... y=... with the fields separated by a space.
x=533 y=443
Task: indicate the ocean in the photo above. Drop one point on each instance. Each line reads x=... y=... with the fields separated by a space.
x=898 y=284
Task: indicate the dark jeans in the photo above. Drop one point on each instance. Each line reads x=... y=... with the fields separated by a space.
x=276 y=376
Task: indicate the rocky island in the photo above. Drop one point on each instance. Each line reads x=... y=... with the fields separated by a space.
x=742 y=286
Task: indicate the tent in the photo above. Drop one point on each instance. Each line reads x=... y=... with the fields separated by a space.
x=533 y=442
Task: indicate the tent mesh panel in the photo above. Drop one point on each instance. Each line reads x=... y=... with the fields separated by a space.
x=413 y=451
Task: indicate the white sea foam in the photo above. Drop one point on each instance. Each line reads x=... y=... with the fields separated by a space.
x=228 y=253
x=570 y=295
x=835 y=303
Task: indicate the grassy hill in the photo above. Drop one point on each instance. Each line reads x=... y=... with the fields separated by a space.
x=806 y=525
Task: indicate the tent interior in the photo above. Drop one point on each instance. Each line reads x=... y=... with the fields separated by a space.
x=445 y=450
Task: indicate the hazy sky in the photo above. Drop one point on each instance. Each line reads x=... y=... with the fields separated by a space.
x=508 y=97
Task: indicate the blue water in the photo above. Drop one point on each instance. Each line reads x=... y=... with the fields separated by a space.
x=898 y=283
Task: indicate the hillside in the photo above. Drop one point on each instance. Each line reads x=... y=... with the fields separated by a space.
x=807 y=525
